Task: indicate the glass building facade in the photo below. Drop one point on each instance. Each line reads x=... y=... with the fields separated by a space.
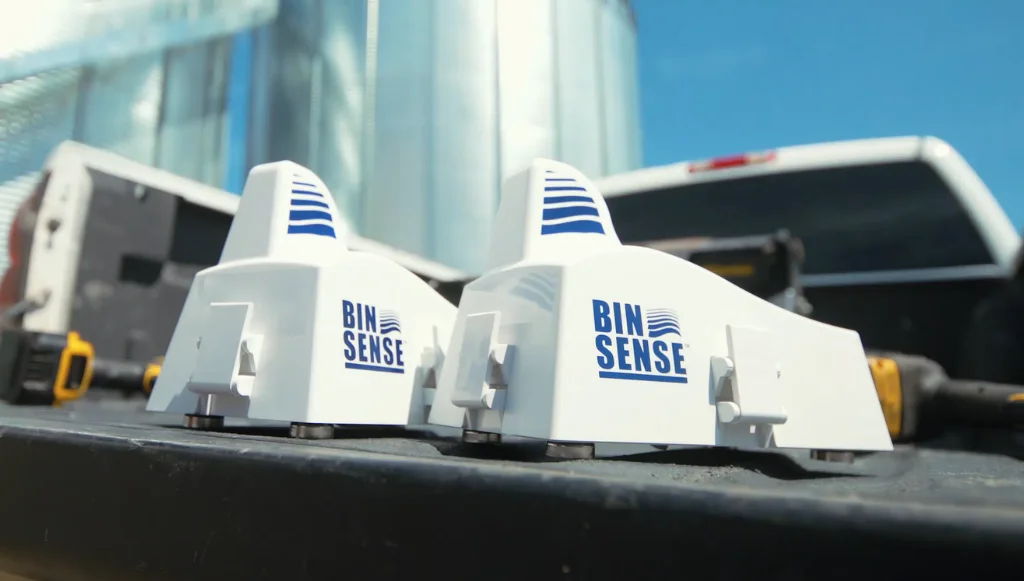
x=411 y=111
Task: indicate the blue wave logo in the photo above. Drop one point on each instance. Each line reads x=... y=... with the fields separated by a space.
x=389 y=323
x=309 y=213
x=568 y=207
x=372 y=338
x=626 y=352
x=662 y=322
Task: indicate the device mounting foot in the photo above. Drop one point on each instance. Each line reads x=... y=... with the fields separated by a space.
x=833 y=456
x=311 y=431
x=569 y=451
x=201 y=422
x=474 y=437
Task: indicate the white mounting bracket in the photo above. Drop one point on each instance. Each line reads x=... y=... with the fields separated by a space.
x=748 y=383
x=485 y=366
x=228 y=356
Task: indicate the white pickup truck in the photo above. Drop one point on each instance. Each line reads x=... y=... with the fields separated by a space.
x=903 y=240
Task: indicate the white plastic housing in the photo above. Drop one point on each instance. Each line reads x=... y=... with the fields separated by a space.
x=292 y=326
x=573 y=337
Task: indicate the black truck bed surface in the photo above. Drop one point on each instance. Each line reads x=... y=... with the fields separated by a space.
x=111 y=493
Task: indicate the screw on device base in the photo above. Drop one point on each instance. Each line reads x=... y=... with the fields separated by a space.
x=311 y=431
x=474 y=437
x=201 y=422
x=569 y=451
x=833 y=456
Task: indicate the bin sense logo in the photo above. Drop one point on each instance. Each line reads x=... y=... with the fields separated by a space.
x=626 y=350
x=373 y=339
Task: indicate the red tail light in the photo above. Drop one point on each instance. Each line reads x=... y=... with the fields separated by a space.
x=731 y=161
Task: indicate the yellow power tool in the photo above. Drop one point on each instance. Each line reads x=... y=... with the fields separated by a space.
x=51 y=368
x=919 y=400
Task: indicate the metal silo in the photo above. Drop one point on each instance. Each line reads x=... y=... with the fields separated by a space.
x=308 y=93
x=466 y=92
x=412 y=111
x=146 y=79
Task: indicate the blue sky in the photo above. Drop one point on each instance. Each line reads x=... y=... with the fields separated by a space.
x=738 y=75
